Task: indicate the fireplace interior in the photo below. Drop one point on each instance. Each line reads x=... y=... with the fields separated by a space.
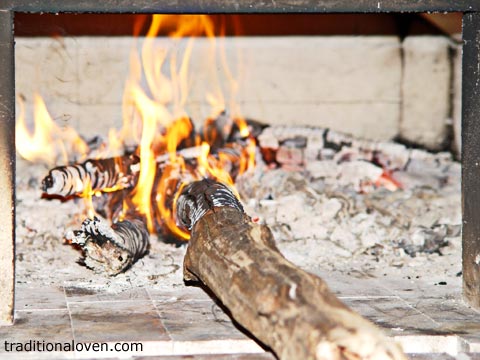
x=357 y=127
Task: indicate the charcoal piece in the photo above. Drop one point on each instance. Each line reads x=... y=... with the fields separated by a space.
x=291 y=153
x=101 y=175
x=216 y=131
x=425 y=240
x=289 y=310
x=335 y=141
x=254 y=127
x=233 y=158
x=191 y=139
x=111 y=249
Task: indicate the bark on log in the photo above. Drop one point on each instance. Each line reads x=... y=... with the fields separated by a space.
x=114 y=249
x=291 y=311
x=113 y=173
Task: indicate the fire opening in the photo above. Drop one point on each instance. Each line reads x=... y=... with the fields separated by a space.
x=352 y=236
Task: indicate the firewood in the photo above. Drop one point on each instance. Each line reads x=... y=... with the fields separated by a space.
x=216 y=130
x=225 y=129
x=289 y=310
x=111 y=249
x=103 y=174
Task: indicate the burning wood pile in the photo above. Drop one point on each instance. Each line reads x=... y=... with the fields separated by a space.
x=221 y=151
x=338 y=170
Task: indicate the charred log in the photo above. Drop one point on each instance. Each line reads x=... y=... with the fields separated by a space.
x=254 y=127
x=289 y=310
x=111 y=249
x=224 y=129
x=216 y=131
x=103 y=174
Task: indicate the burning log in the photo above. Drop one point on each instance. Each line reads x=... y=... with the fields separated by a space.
x=289 y=310
x=113 y=174
x=225 y=129
x=111 y=249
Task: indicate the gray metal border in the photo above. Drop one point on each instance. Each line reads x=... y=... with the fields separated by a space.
x=240 y=6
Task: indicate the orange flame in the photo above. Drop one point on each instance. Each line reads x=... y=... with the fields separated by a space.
x=155 y=118
x=209 y=166
x=87 y=199
x=167 y=186
x=156 y=108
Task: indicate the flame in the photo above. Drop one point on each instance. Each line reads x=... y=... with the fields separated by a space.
x=87 y=199
x=179 y=131
x=48 y=143
x=155 y=118
x=151 y=106
x=167 y=187
x=155 y=109
x=209 y=166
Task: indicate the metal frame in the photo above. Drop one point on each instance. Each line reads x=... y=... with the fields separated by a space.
x=470 y=99
x=471 y=158
x=240 y=6
x=7 y=168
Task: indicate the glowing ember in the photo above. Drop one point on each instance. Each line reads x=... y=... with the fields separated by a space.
x=87 y=197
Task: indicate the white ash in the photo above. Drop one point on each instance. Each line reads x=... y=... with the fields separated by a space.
x=42 y=257
x=318 y=221
x=334 y=209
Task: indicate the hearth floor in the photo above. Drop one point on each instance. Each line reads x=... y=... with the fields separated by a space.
x=425 y=315
x=416 y=299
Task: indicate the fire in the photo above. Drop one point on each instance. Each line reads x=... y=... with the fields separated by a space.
x=161 y=109
x=87 y=199
x=211 y=167
x=48 y=142
x=156 y=120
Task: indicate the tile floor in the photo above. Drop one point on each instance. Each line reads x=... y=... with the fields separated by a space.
x=429 y=320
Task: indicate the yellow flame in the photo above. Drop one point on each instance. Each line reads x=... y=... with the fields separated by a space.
x=151 y=106
x=251 y=149
x=151 y=112
x=48 y=143
x=155 y=109
x=166 y=185
x=177 y=132
x=209 y=166
x=87 y=198
x=154 y=116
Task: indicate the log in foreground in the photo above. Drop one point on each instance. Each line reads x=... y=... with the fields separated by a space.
x=291 y=311
x=111 y=249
